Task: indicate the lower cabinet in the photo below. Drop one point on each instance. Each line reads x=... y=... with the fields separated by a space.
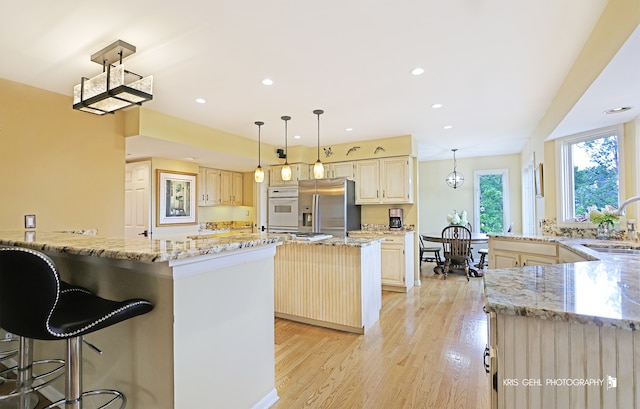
x=520 y=253
x=397 y=260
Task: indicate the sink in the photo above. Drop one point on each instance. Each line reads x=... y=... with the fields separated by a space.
x=616 y=250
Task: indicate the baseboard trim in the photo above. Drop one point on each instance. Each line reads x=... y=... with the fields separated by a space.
x=269 y=400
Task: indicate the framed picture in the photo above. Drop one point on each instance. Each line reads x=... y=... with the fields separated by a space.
x=539 y=181
x=175 y=198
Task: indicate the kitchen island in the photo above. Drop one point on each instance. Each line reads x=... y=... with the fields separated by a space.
x=210 y=336
x=334 y=283
x=564 y=335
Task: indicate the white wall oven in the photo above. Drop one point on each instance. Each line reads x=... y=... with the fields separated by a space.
x=283 y=209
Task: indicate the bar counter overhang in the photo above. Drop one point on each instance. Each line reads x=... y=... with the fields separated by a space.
x=210 y=339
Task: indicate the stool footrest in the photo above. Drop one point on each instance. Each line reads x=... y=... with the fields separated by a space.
x=53 y=374
x=117 y=397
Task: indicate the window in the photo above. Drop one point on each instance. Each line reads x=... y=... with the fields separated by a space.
x=589 y=172
x=491 y=201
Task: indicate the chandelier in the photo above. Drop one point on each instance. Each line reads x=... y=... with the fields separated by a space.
x=455 y=178
x=115 y=88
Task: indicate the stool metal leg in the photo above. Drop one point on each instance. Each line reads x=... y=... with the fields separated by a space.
x=73 y=381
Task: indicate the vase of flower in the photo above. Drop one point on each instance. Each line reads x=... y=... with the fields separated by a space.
x=604 y=220
x=604 y=231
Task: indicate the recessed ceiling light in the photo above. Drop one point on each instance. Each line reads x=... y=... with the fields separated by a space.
x=296 y=136
x=447 y=127
x=617 y=110
x=267 y=81
x=417 y=71
x=349 y=129
x=201 y=100
x=436 y=106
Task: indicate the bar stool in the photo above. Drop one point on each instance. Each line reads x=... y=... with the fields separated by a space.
x=22 y=395
x=30 y=279
x=483 y=258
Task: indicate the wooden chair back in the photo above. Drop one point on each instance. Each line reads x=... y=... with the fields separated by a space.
x=456 y=243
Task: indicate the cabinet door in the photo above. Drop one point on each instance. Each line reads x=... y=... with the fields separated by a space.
x=367 y=180
x=226 y=187
x=503 y=259
x=393 y=272
x=275 y=176
x=202 y=187
x=213 y=187
x=536 y=260
x=343 y=170
x=237 y=188
x=396 y=180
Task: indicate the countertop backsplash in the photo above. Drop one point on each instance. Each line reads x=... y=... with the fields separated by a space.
x=231 y=225
x=550 y=228
x=378 y=227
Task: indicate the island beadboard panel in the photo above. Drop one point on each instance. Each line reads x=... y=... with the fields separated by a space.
x=559 y=364
x=334 y=286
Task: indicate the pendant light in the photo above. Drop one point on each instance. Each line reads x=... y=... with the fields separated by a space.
x=286 y=169
x=455 y=178
x=259 y=173
x=318 y=169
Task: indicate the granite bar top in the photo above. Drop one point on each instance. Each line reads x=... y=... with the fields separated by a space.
x=339 y=242
x=136 y=249
x=604 y=291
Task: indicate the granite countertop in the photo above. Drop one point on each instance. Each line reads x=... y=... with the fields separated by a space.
x=340 y=241
x=604 y=291
x=137 y=249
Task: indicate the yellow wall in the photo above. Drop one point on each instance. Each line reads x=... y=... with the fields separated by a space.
x=142 y=121
x=437 y=199
x=64 y=166
x=617 y=22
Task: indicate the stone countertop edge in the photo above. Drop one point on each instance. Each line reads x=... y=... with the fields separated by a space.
x=604 y=291
x=135 y=249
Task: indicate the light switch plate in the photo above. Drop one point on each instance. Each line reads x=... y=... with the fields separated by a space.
x=29 y=221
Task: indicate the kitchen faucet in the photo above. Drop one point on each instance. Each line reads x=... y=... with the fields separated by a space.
x=620 y=211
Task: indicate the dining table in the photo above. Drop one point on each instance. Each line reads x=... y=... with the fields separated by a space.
x=436 y=237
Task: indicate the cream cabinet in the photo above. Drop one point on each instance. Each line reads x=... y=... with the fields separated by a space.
x=230 y=188
x=208 y=187
x=340 y=170
x=566 y=255
x=387 y=180
x=520 y=253
x=397 y=260
x=299 y=171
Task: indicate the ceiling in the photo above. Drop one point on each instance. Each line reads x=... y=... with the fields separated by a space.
x=495 y=66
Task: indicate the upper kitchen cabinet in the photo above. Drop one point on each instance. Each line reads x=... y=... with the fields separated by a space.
x=340 y=170
x=231 y=188
x=299 y=171
x=219 y=187
x=387 y=180
x=208 y=187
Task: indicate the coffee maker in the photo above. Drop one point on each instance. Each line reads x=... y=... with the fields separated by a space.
x=395 y=219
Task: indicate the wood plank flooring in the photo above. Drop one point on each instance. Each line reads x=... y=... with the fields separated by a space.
x=426 y=352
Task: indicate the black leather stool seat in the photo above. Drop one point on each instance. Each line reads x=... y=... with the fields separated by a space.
x=36 y=304
x=33 y=305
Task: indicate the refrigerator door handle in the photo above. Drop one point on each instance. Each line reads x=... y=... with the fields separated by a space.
x=316 y=214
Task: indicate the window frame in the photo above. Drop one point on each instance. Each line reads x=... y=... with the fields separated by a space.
x=565 y=184
x=506 y=196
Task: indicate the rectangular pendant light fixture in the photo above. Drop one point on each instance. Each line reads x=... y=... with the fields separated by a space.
x=115 y=88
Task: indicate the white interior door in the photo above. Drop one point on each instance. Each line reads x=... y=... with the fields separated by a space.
x=137 y=198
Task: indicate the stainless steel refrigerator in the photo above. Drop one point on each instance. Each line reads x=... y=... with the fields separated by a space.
x=328 y=206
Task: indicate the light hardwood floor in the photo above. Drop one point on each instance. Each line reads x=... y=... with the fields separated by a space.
x=426 y=352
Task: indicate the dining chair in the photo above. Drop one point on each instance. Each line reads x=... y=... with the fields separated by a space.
x=425 y=250
x=456 y=243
